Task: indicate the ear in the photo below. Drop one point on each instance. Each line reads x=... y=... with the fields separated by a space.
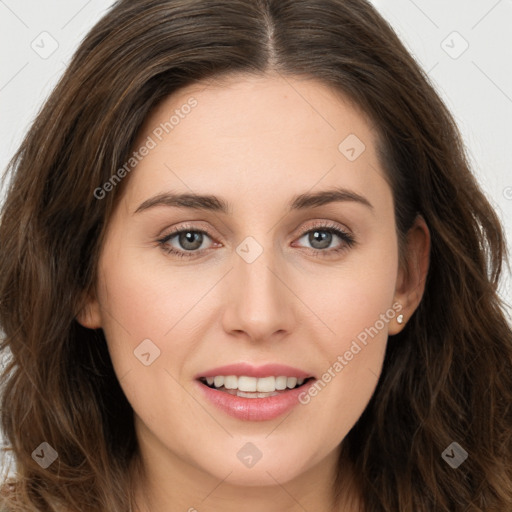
x=90 y=314
x=412 y=274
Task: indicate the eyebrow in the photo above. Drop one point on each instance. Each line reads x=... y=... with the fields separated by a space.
x=217 y=204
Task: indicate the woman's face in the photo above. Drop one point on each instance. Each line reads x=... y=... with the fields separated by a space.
x=261 y=283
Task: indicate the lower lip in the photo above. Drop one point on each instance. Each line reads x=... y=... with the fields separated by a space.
x=255 y=409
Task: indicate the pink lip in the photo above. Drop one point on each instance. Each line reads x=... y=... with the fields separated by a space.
x=254 y=409
x=267 y=370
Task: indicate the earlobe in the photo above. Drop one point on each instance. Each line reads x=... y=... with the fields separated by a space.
x=412 y=274
x=400 y=319
x=89 y=315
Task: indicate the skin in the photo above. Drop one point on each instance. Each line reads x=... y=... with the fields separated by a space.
x=256 y=142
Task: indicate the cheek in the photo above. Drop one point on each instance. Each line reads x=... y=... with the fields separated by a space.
x=145 y=301
x=144 y=316
x=356 y=295
x=357 y=309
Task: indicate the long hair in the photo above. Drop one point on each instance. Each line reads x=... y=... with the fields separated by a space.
x=447 y=377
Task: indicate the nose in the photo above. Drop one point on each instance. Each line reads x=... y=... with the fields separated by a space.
x=260 y=304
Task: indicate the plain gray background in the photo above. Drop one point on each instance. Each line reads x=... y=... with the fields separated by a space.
x=464 y=45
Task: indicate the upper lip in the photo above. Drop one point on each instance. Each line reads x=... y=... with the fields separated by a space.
x=266 y=370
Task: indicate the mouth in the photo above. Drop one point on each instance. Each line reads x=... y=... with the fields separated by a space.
x=254 y=393
x=245 y=386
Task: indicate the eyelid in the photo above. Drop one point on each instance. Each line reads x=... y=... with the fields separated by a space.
x=346 y=235
x=189 y=226
x=193 y=226
x=186 y=227
x=324 y=224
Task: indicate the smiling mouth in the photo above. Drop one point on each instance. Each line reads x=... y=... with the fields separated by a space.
x=252 y=387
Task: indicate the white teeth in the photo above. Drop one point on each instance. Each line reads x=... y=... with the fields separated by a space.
x=291 y=382
x=230 y=382
x=281 y=383
x=247 y=383
x=266 y=384
x=255 y=395
x=254 y=385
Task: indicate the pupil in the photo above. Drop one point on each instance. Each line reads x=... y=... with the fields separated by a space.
x=323 y=237
x=188 y=238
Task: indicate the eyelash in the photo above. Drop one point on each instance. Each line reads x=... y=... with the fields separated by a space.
x=348 y=241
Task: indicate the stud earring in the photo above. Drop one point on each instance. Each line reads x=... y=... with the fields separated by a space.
x=400 y=319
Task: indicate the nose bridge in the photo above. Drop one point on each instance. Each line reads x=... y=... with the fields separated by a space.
x=260 y=302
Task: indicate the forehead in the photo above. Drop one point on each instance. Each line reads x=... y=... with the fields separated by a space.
x=245 y=106
x=257 y=136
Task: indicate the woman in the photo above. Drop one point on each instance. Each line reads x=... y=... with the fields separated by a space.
x=245 y=263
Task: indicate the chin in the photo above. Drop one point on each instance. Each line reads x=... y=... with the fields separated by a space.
x=262 y=477
x=271 y=468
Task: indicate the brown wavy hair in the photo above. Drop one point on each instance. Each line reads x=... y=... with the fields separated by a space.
x=447 y=376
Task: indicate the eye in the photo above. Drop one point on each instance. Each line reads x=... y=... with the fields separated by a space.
x=189 y=241
x=321 y=237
